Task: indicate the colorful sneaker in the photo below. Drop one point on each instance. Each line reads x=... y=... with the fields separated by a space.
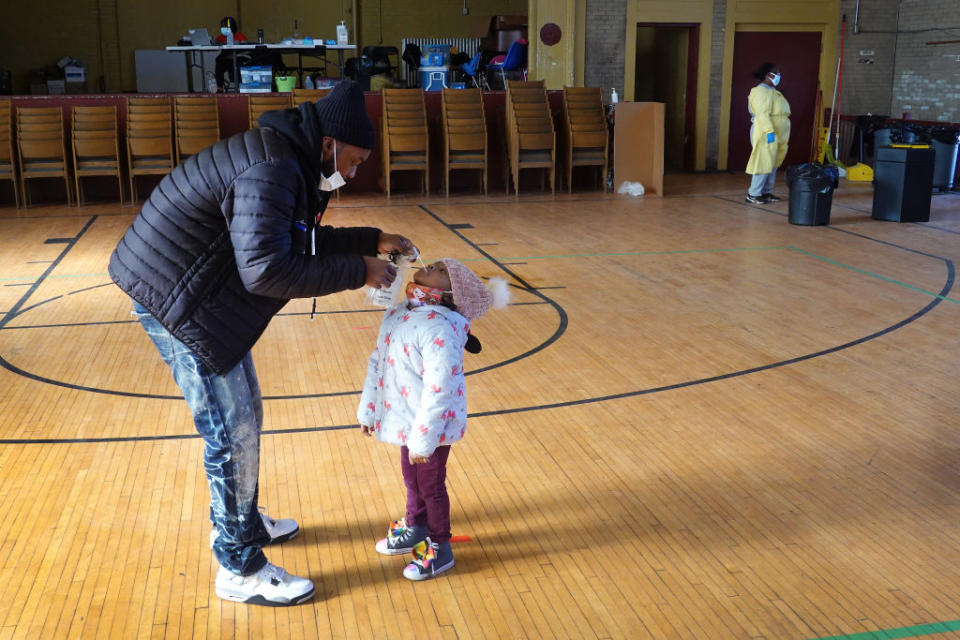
x=271 y=587
x=429 y=559
x=769 y=197
x=279 y=530
x=400 y=538
x=755 y=199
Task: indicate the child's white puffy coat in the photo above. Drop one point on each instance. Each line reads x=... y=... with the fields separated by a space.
x=415 y=394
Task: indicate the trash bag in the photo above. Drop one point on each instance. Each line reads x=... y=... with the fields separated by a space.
x=815 y=176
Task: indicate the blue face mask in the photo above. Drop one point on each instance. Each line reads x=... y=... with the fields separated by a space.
x=225 y=31
x=776 y=79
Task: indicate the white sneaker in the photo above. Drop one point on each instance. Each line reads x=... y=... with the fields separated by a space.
x=279 y=530
x=271 y=587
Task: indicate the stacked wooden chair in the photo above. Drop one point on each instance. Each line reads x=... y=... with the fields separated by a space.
x=531 y=140
x=258 y=105
x=8 y=169
x=405 y=142
x=308 y=95
x=587 y=142
x=196 y=124
x=41 y=148
x=464 y=133
x=95 y=146
x=149 y=138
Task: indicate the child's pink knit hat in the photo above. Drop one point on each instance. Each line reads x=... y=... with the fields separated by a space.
x=471 y=297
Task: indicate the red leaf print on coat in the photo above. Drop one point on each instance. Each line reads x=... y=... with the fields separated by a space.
x=387 y=405
x=462 y=431
x=371 y=406
x=406 y=317
x=451 y=414
x=466 y=327
x=377 y=426
x=406 y=349
x=392 y=311
x=423 y=429
x=442 y=438
x=432 y=315
x=460 y=392
x=402 y=436
x=438 y=342
x=391 y=361
x=386 y=339
x=436 y=389
x=404 y=392
x=454 y=371
x=380 y=384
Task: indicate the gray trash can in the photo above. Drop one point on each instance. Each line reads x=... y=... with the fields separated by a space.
x=945 y=145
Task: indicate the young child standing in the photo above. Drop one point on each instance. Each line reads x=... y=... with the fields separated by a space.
x=414 y=397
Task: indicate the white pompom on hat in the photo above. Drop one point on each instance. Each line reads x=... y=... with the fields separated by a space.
x=470 y=295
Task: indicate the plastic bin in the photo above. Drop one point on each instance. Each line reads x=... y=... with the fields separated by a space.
x=945 y=145
x=903 y=184
x=286 y=84
x=434 y=78
x=811 y=193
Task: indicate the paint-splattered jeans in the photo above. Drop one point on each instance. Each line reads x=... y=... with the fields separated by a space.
x=228 y=413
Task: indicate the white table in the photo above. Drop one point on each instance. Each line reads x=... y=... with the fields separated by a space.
x=319 y=50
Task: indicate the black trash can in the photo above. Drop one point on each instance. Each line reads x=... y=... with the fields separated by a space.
x=903 y=184
x=811 y=192
x=945 y=145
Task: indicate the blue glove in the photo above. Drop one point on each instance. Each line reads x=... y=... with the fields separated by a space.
x=771 y=137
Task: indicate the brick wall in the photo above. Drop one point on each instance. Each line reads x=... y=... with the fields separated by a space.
x=867 y=78
x=926 y=78
x=716 y=85
x=605 y=34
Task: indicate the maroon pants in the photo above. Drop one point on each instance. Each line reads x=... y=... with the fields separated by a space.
x=427 y=502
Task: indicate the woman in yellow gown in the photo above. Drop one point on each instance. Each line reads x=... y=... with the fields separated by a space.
x=769 y=133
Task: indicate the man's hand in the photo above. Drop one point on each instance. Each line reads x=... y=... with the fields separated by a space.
x=379 y=273
x=366 y=430
x=415 y=459
x=388 y=242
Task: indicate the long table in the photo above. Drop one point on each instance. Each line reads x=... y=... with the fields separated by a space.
x=318 y=50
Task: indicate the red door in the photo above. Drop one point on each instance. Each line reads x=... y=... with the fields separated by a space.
x=797 y=53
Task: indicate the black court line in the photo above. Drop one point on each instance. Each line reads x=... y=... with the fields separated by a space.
x=68 y=385
x=58 y=240
x=39 y=261
x=23 y=284
x=948 y=285
x=462 y=225
x=511 y=263
x=546 y=288
x=487 y=244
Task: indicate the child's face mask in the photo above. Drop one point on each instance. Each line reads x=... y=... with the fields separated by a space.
x=419 y=295
x=336 y=180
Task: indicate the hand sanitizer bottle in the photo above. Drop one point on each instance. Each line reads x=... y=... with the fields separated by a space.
x=342 y=33
x=614 y=98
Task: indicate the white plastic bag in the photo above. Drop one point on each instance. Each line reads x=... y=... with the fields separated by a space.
x=631 y=188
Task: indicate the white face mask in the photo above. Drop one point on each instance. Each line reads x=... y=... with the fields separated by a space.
x=776 y=79
x=225 y=31
x=336 y=180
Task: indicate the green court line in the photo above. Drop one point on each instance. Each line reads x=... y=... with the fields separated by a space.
x=901 y=632
x=875 y=275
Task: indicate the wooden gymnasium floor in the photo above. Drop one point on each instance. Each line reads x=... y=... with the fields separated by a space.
x=695 y=421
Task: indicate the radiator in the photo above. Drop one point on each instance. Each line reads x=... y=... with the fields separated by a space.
x=469 y=46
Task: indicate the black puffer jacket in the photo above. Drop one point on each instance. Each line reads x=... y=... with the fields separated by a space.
x=224 y=242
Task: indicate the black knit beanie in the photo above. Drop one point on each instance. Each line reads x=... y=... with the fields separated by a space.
x=343 y=115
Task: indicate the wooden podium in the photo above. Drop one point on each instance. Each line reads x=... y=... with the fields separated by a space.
x=638 y=145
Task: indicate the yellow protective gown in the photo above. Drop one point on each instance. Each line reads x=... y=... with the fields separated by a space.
x=771 y=113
